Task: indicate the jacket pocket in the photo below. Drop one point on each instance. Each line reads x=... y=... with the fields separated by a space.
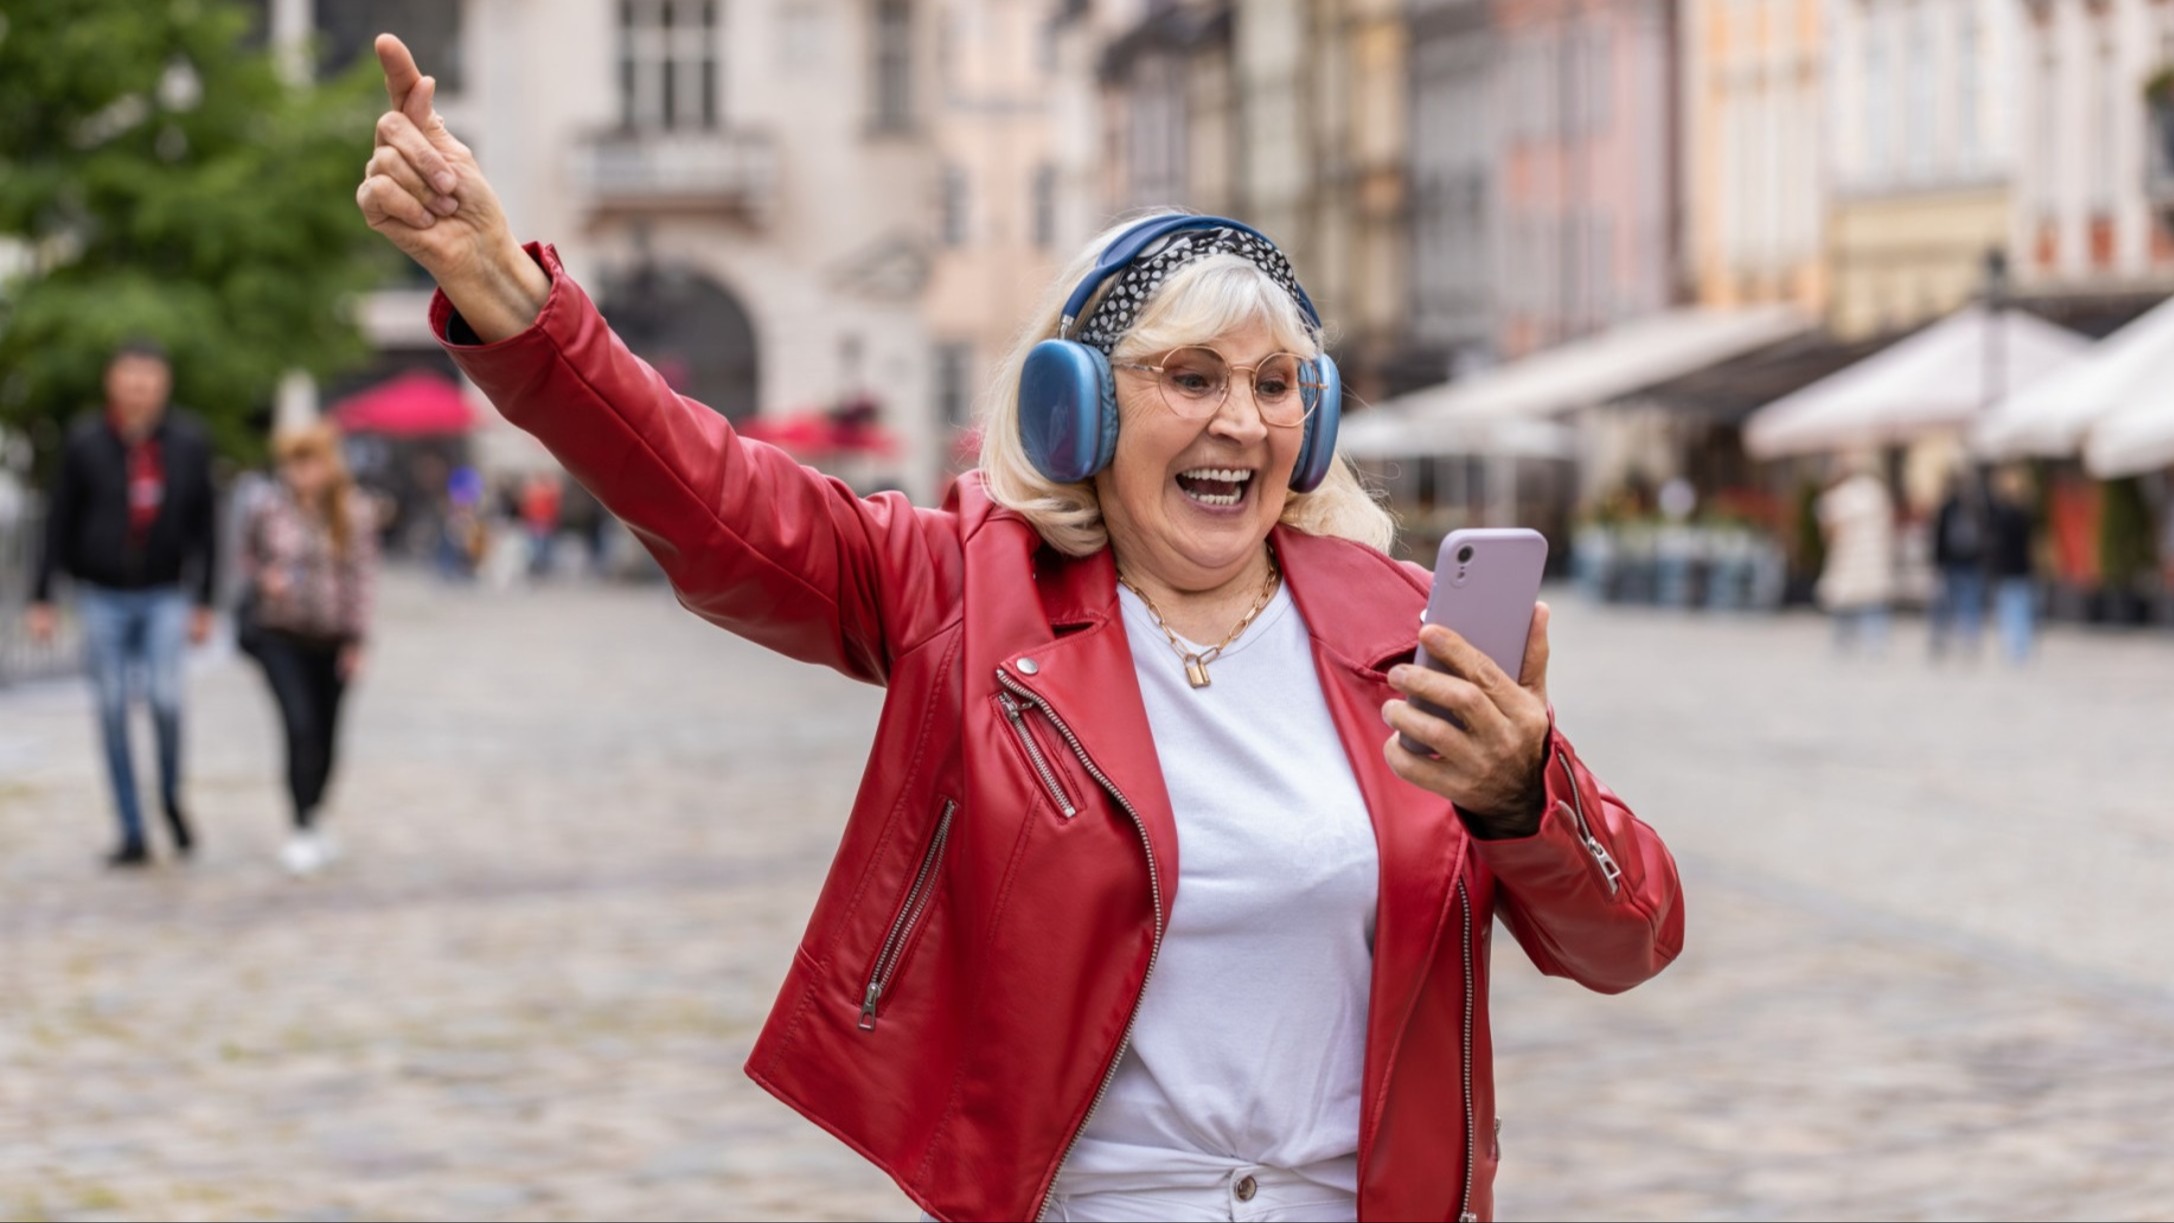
x=892 y=954
x=1015 y=715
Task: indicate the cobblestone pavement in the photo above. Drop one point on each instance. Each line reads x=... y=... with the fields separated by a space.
x=1928 y=973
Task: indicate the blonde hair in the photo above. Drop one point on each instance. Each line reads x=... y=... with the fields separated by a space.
x=1197 y=303
x=321 y=441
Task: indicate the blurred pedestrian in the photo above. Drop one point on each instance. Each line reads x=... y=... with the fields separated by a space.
x=540 y=499
x=310 y=553
x=1961 y=551
x=2014 y=569
x=1857 y=517
x=1142 y=671
x=131 y=521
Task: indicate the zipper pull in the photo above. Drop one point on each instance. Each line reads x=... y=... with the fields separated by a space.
x=868 y=1006
x=1608 y=869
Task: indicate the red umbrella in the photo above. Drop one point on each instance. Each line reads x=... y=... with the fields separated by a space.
x=417 y=404
x=818 y=435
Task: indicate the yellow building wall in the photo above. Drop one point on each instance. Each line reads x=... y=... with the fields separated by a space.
x=1901 y=260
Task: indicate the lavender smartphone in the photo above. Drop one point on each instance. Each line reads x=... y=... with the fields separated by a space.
x=1485 y=585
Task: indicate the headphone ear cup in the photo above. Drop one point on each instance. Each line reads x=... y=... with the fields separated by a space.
x=1067 y=411
x=1317 y=450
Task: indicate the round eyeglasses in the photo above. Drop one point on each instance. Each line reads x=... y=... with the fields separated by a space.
x=1195 y=381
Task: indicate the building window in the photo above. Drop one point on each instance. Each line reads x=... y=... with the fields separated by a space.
x=893 y=66
x=955 y=384
x=347 y=30
x=1918 y=78
x=2046 y=135
x=2107 y=84
x=954 y=206
x=1967 y=50
x=668 y=64
x=1045 y=205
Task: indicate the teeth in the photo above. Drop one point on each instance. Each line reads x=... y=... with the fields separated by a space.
x=1229 y=475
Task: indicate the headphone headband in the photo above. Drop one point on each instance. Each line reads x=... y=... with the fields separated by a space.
x=1147 y=238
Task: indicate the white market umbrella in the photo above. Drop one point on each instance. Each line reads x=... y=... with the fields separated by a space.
x=1932 y=381
x=2050 y=417
x=2135 y=438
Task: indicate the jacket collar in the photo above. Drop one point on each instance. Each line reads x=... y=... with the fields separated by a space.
x=1365 y=595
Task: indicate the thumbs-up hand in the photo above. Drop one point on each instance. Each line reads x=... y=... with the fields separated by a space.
x=424 y=192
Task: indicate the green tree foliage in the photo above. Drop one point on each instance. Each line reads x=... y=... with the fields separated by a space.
x=161 y=178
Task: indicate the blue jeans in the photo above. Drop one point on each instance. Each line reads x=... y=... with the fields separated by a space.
x=2015 y=602
x=1861 y=628
x=1959 y=610
x=123 y=629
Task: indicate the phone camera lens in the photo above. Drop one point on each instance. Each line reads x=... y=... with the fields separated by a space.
x=1464 y=555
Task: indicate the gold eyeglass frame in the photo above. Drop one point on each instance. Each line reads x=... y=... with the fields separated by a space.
x=1231 y=368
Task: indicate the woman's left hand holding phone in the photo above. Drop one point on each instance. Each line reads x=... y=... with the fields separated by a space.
x=425 y=193
x=1492 y=767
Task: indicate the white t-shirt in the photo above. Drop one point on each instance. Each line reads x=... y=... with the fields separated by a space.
x=1250 y=1043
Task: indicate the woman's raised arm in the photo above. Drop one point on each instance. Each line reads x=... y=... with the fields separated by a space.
x=424 y=192
x=751 y=540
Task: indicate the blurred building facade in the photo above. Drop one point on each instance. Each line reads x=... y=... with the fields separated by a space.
x=1754 y=87
x=2095 y=146
x=1453 y=154
x=1588 y=174
x=1922 y=153
x=751 y=191
x=1001 y=220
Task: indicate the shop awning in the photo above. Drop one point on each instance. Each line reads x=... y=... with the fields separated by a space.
x=1383 y=434
x=1506 y=410
x=1935 y=380
x=2133 y=366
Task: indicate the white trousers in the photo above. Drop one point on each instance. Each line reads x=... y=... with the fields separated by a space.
x=1254 y=1195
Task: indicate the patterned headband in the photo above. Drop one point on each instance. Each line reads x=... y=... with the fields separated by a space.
x=1114 y=315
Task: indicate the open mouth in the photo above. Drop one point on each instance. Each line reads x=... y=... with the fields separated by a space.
x=1221 y=487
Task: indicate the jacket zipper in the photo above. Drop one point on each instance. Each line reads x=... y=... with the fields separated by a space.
x=1034 y=754
x=1610 y=873
x=909 y=915
x=1471 y=1118
x=1154 y=889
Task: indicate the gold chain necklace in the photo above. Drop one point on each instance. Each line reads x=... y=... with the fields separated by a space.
x=1196 y=665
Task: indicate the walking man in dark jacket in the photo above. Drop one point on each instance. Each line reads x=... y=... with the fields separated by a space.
x=131 y=521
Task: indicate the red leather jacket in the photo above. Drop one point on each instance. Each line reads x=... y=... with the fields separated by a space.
x=965 y=985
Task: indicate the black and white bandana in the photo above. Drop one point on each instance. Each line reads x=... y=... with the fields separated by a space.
x=1114 y=314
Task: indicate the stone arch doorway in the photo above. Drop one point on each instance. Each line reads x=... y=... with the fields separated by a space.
x=693 y=330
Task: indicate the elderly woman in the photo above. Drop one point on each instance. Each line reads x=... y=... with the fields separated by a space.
x=1141 y=911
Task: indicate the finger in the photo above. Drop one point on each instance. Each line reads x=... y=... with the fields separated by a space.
x=421 y=106
x=1533 y=675
x=401 y=74
x=1471 y=705
x=382 y=200
x=1438 y=735
x=388 y=162
x=398 y=131
x=1437 y=776
x=1462 y=657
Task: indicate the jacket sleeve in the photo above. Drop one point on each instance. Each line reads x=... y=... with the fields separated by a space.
x=60 y=524
x=751 y=540
x=201 y=538
x=1593 y=895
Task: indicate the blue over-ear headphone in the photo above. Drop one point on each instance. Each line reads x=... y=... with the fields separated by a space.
x=1068 y=400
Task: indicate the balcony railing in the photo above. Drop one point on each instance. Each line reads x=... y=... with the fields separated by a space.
x=730 y=170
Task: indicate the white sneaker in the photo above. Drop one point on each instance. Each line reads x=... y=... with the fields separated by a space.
x=304 y=854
